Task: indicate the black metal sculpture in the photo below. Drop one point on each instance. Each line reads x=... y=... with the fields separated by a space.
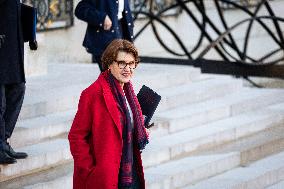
x=237 y=63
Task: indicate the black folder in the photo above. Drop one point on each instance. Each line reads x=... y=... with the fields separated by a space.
x=149 y=101
x=29 y=21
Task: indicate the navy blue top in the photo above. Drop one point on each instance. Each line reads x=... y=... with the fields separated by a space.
x=94 y=12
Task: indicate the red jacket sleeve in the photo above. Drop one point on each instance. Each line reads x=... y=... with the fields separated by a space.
x=79 y=137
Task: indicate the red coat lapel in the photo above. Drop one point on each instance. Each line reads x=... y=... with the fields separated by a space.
x=111 y=103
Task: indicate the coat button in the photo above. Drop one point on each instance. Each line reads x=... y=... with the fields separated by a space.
x=116 y=2
x=101 y=24
x=126 y=12
x=98 y=31
x=112 y=31
x=132 y=36
x=129 y=24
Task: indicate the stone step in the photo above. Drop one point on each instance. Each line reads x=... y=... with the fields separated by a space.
x=192 y=115
x=158 y=76
x=52 y=92
x=166 y=179
x=88 y=73
x=34 y=130
x=172 y=146
x=252 y=147
x=41 y=156
x=260 y=174
x=264 y=140
x=259 y=144
x=197 y=91
x=67 y=178
x=279 y=185
x=42 y=103
x=65 y=181
x=187 y=170
x=60 y=75
x=53 y=178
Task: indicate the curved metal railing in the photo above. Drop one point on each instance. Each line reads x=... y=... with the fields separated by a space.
x=225 y=44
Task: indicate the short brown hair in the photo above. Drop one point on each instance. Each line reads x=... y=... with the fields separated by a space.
x=110 y=53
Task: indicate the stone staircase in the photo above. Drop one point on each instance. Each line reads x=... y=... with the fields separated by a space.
x=210 y=132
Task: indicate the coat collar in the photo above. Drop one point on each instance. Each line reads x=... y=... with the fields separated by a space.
x=110 y=102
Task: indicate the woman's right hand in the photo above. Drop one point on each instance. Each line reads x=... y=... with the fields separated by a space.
x=107 y=23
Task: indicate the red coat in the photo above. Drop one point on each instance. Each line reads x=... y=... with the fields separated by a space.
x=96 y=140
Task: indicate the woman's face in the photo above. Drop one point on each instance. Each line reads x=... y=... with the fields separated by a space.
x=123 y=67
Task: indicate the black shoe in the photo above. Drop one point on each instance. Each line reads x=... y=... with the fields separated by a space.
x=18 y=155
x=6 y=159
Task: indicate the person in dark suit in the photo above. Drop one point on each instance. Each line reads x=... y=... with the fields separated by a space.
x=107 y=20
x=12 y=77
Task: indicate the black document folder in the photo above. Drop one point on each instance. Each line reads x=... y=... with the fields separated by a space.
x=149 y=101
x=29 y=21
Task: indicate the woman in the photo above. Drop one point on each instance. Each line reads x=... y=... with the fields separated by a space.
x=108 y=133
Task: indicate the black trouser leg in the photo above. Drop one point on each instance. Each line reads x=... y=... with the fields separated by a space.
x=2 y=113
x=4 y=157
x=122 y=30
x=14 y=99
x=97 y=59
